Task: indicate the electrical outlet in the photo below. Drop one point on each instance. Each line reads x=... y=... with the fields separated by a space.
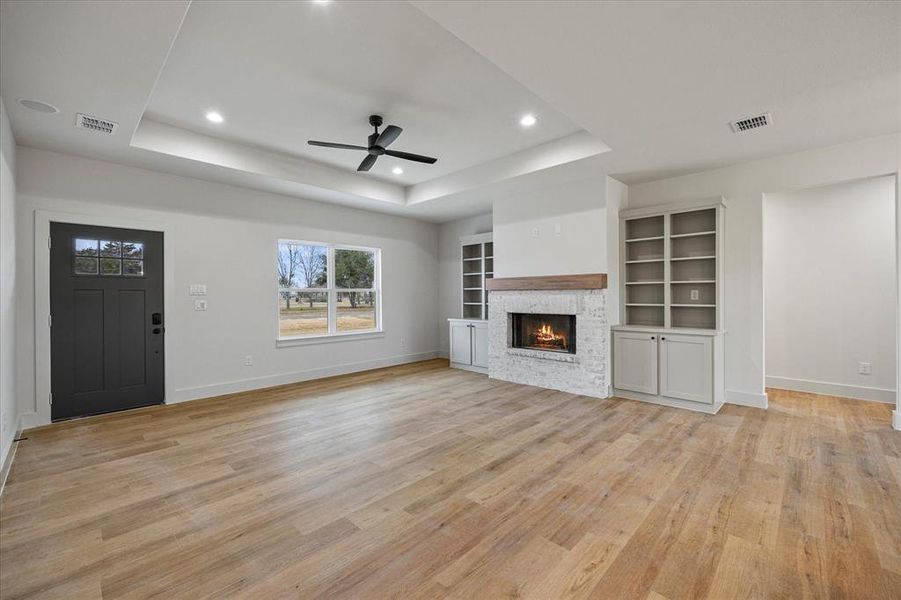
x=695 y=295
x=200 y=305
x=248 y=360
x=197 y=289
x=536 y=232
x=864 y=368
x=558 y=229
x=403 y=342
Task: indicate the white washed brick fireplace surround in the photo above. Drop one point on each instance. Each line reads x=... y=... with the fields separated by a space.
x=584 y=372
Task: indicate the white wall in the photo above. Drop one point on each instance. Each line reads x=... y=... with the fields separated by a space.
x=556 y=230
x=9 y=411
x=450 y=273
x=743 y=187
x=829 y=280
x=225 y=237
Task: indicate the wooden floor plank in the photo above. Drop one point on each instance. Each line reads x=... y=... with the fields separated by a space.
x=420 y=481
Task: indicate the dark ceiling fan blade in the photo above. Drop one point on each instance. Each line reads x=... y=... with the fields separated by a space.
x=334 y=145
x=389 y=135
x=408 y=156
x=367 y=163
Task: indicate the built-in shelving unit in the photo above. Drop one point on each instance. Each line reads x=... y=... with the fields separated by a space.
x=669 y=348
x=672 y=263
x=477 y=258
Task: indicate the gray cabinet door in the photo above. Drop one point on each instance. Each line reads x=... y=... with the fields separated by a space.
x=686 y=367
x=106 y=306
x=635 y=361
x=480 y=345
x=460 y=344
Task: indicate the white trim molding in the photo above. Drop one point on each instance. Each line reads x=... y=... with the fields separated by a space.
x=254 y=383
x=752 y=399
x=856 y=392
x=896 y=420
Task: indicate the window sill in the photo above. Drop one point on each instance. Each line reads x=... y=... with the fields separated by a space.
x=328 y=339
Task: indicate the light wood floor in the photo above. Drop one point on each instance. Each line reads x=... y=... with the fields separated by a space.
x=425 y=482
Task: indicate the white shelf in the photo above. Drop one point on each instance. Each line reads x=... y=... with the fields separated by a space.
x=489 y=272
x=645 y=282
x=472 y=274
x=693 y=305
x=645 y=260
x=689 y=281
x=488 y=257
x=693 y=234
x=645 y=239
x=478 y=289
x=692 y=258
x=476 y=258
x=643 y=304
x=472 y=304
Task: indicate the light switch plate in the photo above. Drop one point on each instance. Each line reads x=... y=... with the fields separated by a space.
x=694 y=295
x=864 y=368
x=198 y=289
x=200 y=305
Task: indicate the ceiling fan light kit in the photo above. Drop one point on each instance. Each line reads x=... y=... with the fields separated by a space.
x=377 y=145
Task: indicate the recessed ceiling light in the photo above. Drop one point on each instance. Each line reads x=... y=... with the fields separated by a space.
x=397 y=171
x=528 y=120
x=214 y=117
x=321 y=1
x=38 y=106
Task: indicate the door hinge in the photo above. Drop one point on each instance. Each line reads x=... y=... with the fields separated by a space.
x=49 y=320
x=49 y=242
x=51 y=398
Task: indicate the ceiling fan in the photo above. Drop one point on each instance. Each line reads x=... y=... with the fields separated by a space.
x=378 y=144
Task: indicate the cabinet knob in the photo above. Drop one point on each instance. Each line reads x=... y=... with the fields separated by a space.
x=662 y=339
x=653 y=337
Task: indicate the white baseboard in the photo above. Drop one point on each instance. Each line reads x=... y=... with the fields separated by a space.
x=29 y=420
x=856 y=392
x=253 y=383
x=752 y=399
x=896 y=420
x=443 y=354
x=7 y=462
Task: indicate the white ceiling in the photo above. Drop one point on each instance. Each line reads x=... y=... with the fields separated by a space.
x=660 y=81
x=636 y=90
x=302 y=70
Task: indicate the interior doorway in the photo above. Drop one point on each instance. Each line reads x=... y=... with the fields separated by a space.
x=107 y=322
x=830 y=289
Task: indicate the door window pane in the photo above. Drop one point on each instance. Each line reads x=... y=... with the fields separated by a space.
x=302 y=266
x=302 y=313
x=110 y=266
x=85 y=265
x=132 y=249
x=354 y=268
x=110 y=248
x=85 y=247
x=356 y=310
x=132 y=267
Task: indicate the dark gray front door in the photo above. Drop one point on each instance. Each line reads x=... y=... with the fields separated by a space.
x=106 y=307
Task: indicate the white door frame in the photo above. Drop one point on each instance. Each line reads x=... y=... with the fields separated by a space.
x=42 y=220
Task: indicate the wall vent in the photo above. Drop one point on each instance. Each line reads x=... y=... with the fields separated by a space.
x=95 y=124
x=755 y=122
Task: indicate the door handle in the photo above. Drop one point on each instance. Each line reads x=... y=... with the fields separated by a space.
x=156 y=318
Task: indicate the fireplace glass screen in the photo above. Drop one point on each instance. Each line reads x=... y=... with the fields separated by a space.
x=554 y=333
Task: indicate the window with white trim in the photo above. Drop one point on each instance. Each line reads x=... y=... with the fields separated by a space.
x=327 y=289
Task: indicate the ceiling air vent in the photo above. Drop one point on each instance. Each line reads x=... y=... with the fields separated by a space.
x=749 y=123
x=95 y=124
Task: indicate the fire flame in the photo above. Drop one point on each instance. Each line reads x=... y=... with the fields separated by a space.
x=547 y=337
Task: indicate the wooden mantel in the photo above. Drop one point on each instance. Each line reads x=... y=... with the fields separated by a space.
x=592 y=281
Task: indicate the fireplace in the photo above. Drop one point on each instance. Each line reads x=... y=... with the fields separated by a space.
x=551 y=333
